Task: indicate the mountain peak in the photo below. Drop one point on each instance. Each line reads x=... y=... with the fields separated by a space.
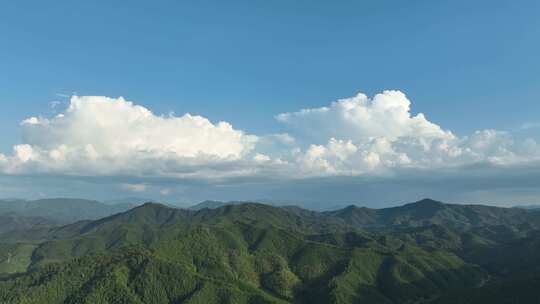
x=427 y=202
x=350 y=207
x=151 y=206
x=208 y=204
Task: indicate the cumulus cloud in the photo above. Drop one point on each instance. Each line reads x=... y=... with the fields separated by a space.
x=357 y=136
x=101 y=135
x=358 y=118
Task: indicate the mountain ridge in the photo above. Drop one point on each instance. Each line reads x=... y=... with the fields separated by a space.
x=63 y=210
x=425 y=251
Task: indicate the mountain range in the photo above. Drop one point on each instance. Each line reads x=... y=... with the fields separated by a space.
x=64 y=210
x=421 y=252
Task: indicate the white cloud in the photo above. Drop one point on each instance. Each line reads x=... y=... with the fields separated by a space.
x=116 y=126
x=31 y=121
x=358 y=118
x=101 y=136
x=358 y=135
x=261 y=158
x=134 y=187
x=54 y=104
x=165 y=191
x=24 y=153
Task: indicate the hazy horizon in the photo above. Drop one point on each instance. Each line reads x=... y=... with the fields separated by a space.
x=311 y=205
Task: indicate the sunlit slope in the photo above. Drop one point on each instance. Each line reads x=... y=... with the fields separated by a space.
x=236 y=254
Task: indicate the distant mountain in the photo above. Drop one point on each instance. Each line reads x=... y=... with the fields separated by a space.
x=133 y=201
x=315 y=206
x=208 y=204
x=428 y=212
x=528 y=207
x=61 y=210
x=311 y=205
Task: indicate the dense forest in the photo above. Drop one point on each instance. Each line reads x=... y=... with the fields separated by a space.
x=422 y=252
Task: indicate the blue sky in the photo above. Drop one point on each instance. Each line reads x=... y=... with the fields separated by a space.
x=467 y=65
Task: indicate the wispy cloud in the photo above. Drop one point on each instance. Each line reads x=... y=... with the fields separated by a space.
x=530 y=125
x=134 y=187
x=54 y=104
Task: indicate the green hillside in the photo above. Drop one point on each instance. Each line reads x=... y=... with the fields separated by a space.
x=255 y=253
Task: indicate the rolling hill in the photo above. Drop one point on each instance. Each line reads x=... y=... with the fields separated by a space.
x=424 y=252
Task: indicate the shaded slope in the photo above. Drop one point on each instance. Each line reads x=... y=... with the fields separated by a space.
x=427 y=212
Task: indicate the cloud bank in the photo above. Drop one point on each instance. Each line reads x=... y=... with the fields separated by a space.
x=97 y=136
x=106 y=136
x=358 y=135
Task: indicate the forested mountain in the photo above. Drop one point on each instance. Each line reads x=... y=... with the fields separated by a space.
x=10 y=223
x=208 y=204
x=428 y=211
x=423 y=252
x=64 y=210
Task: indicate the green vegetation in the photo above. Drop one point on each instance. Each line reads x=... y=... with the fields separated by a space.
x=15 y=257
x=426 y=252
